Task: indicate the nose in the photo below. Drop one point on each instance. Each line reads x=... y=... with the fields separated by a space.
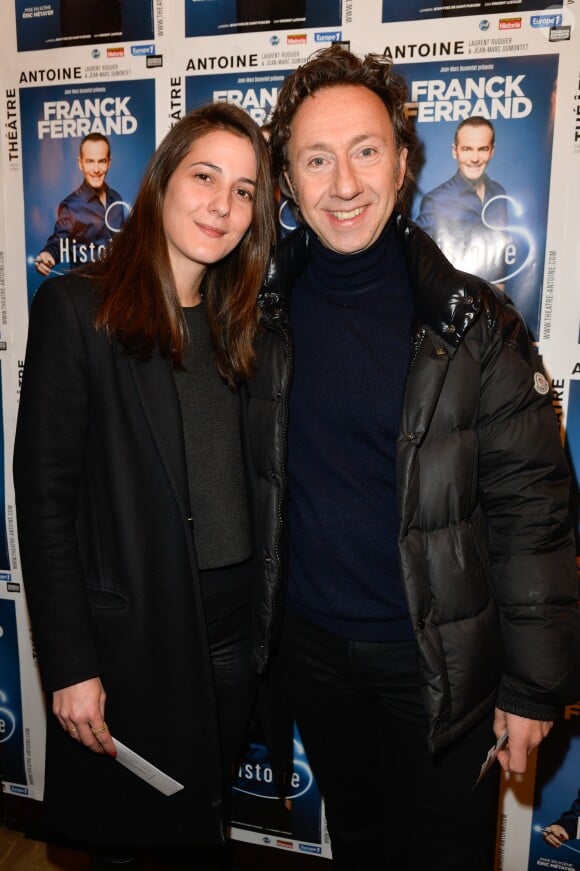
x=346 y=183
x=220 y=203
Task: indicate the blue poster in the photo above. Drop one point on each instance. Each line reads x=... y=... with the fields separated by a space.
x=483 y=180
x=255 y=91
x=557 y=798
x=217 y=17
x=62 y=23
x=572 y=447
x=12 y=763
x=84 y=151
x=285 y=814
x=418 y=10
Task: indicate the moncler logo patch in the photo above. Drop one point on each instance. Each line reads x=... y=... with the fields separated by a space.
x=541 y=385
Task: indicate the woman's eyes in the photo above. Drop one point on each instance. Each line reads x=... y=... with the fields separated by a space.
x=245 y=194
x=208 y=178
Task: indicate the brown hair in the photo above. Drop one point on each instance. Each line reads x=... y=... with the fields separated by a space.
x=139 y=305
x=329 y=68
x=95 y=137
x=475 y=121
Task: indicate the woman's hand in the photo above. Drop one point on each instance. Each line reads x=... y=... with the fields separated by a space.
x=80 y=710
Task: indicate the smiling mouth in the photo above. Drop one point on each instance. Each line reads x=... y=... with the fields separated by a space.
x=348 y=216
x=211 y=231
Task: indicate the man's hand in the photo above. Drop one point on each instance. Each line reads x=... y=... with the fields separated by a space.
x=80 y=710
x=523 y=736
x=555 y=835
x=44 y=263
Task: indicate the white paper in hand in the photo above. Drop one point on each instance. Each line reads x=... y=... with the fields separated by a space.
x=145 y=770
x=491 y=757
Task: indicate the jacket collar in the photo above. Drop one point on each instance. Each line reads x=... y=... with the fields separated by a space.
x=446 y=300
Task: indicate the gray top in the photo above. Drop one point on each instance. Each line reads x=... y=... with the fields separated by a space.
x=211 y=426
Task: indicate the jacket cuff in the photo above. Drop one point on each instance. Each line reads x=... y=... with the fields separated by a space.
x=525 y=707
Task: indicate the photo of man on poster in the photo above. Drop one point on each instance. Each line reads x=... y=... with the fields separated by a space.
x=467 y=215
x=566 y=827
x=89 y=216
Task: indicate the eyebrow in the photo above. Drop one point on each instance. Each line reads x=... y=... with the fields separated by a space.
x=324 y=146
x=219 y=169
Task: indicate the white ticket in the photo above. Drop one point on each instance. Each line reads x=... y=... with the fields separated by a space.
x=145 y=770
x=491 y=757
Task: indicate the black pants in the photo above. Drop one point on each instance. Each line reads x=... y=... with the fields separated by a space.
x=389 y=803
x=235 y=683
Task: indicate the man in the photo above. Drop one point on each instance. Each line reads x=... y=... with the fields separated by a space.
x=90 y=216
x=467 y=214
x=419 y=530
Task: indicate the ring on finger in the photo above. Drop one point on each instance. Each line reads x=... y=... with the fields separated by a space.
x=100 y=730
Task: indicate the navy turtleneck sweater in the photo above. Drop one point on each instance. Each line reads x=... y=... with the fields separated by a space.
x=350 y=316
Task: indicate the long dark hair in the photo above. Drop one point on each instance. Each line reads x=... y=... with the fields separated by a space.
x=139 y=307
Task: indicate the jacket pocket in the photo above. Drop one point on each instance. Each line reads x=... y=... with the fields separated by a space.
x=106 y=599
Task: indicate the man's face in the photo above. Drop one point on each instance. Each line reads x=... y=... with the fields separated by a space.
x=473 y=151
x=343 y=168
x=94 y=163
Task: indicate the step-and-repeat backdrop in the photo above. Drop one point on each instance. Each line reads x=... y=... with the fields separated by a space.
x=129 y=69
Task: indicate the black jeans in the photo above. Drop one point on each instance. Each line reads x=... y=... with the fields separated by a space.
x=389 y=803
x=235 y=682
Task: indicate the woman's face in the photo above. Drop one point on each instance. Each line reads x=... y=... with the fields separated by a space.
x=208 y=206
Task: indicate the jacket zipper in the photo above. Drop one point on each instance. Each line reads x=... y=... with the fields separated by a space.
x=417 y=347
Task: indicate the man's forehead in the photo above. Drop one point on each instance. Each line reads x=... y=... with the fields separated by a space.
x=94 y=150
x=340 y=115
x=481 y=135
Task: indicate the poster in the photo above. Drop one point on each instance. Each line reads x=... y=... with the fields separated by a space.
x=418 y=10
x=241 y=52
x=63 y=219
x=12 y=765
x=219 y=17
x=502 y=237
x=572 y=447
x=256 y=91
x=557 y=796
x=290 y=815
x=66 y=23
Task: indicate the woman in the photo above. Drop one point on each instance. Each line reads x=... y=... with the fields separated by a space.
x=135 y=533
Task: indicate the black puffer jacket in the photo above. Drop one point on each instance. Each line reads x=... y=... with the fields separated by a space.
x=486 y=550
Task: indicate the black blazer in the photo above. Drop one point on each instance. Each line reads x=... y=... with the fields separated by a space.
x=110 y=575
